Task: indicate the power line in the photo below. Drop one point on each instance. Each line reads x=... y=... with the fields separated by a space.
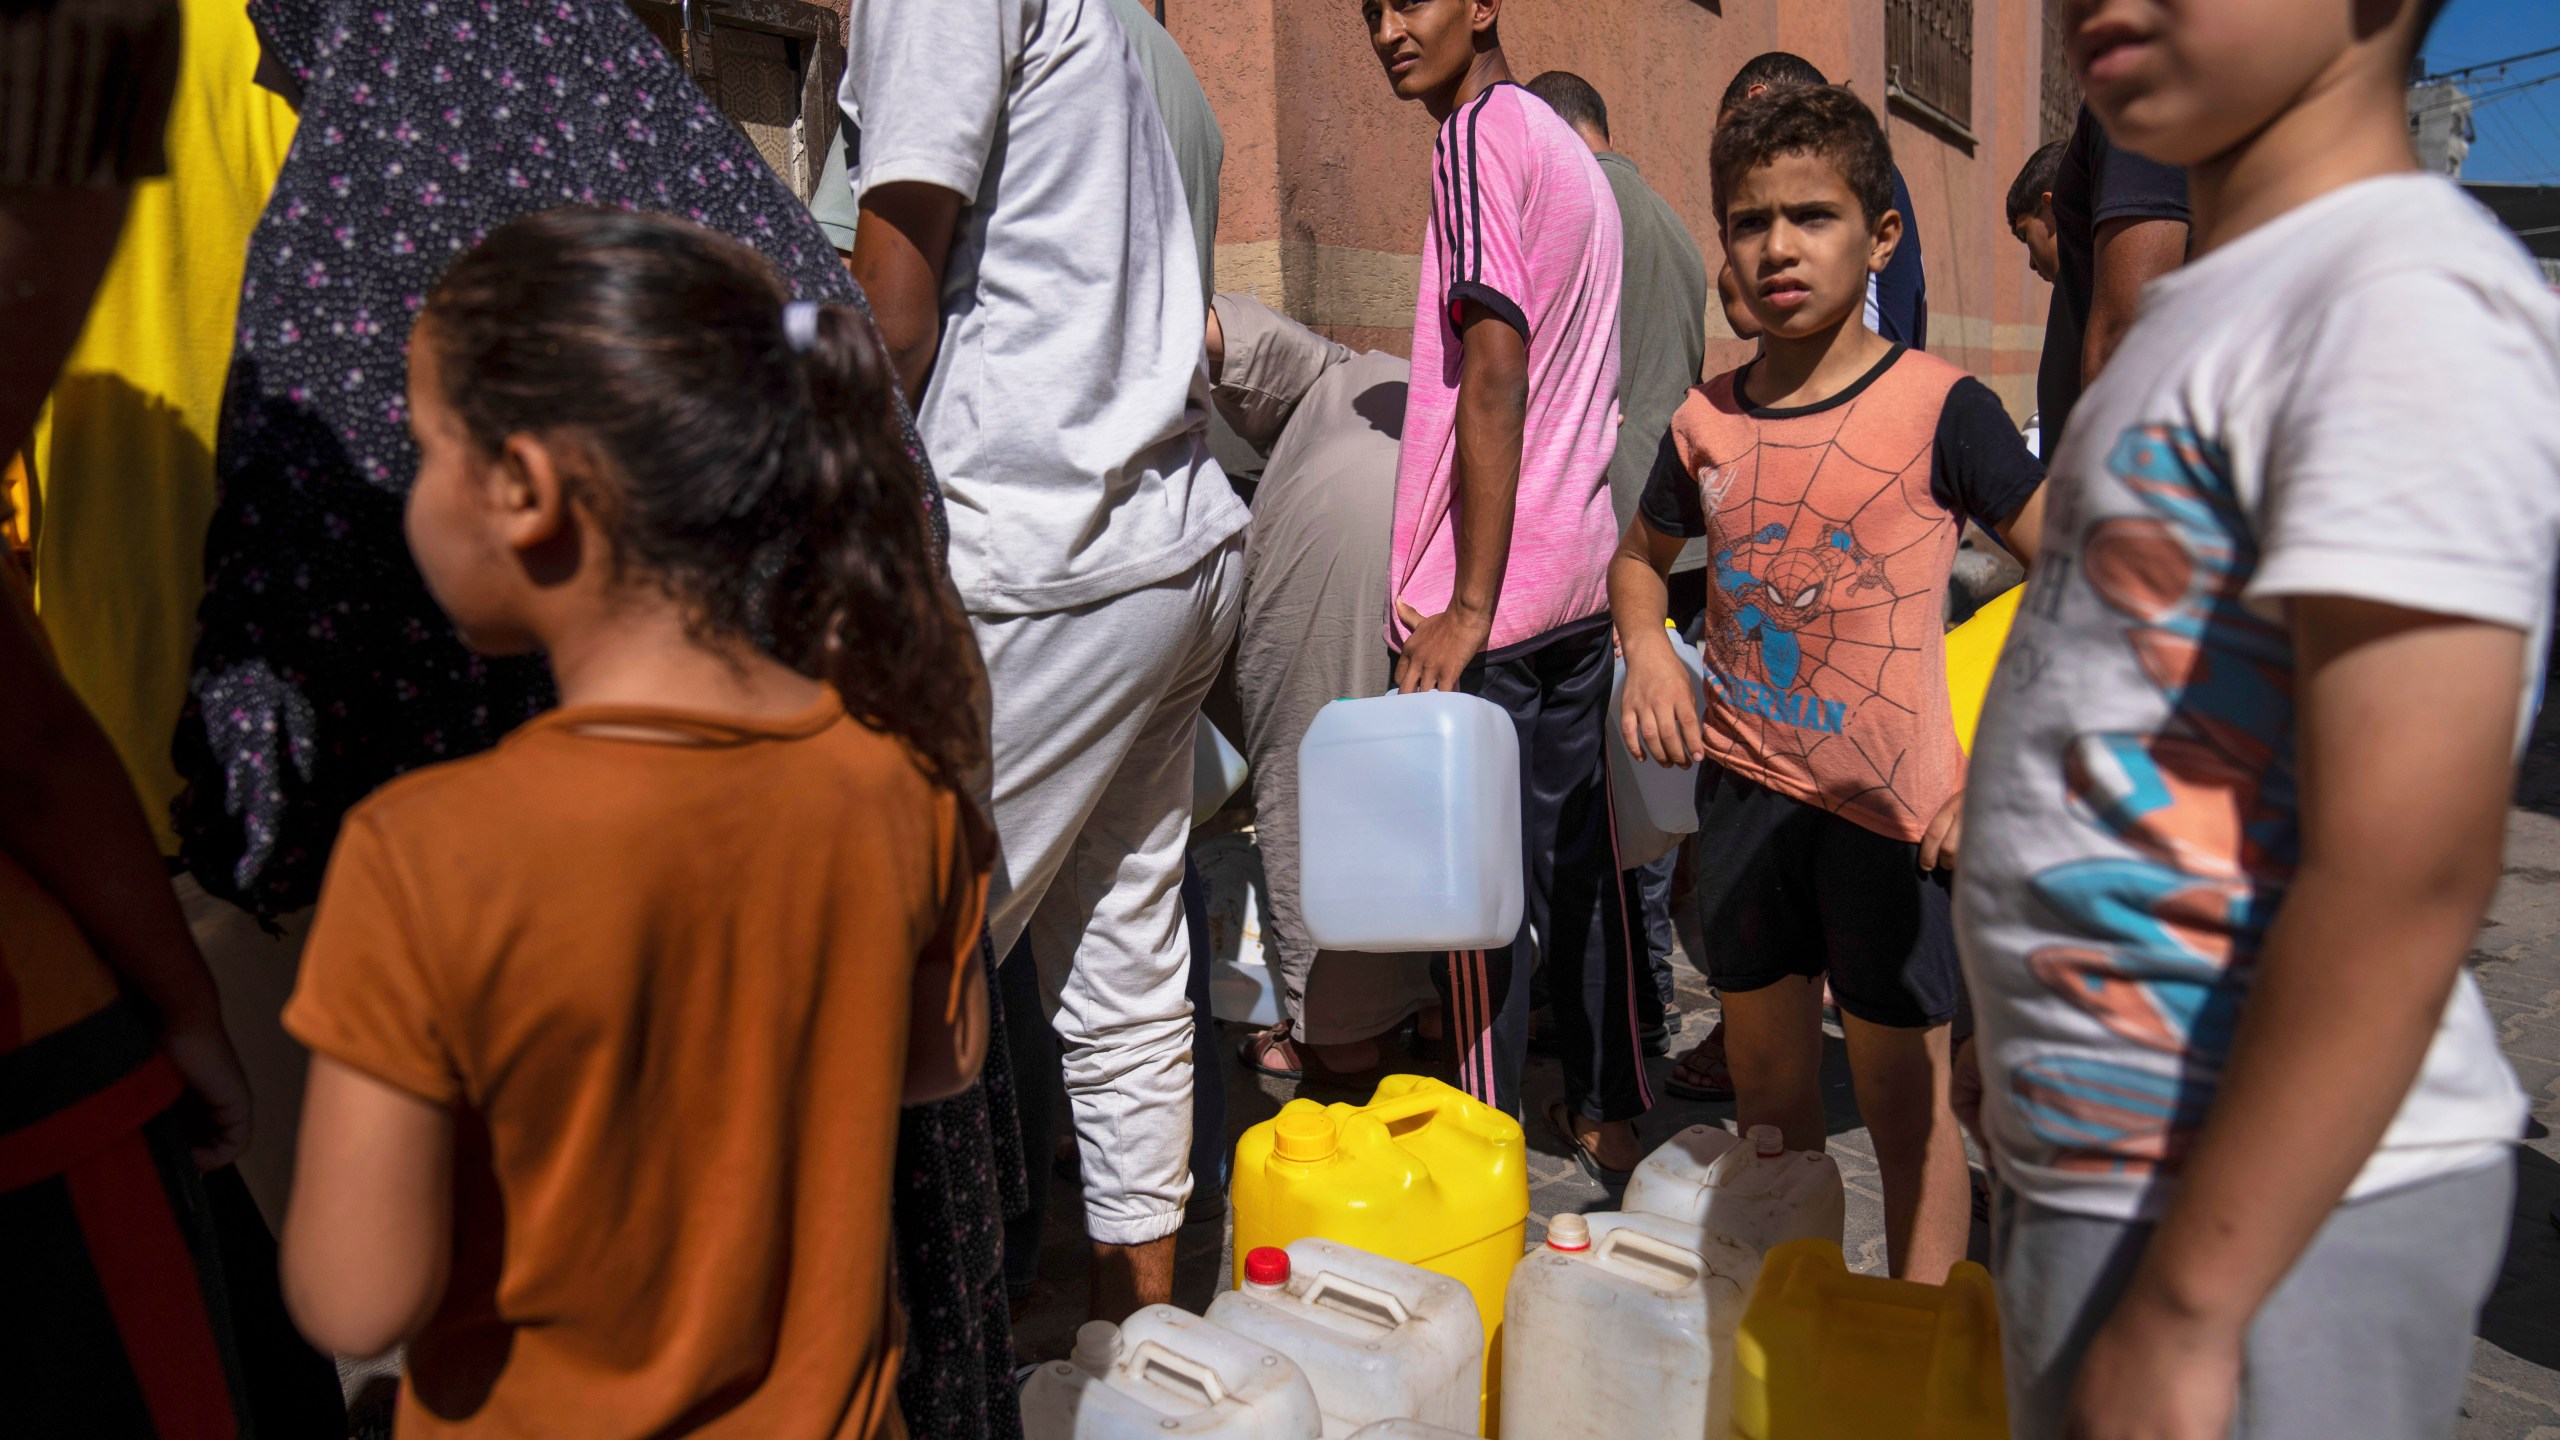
x=2516 y=131
x=2543 y=120
x=2513 y=136
x=2489 y=64
x=2477 y=99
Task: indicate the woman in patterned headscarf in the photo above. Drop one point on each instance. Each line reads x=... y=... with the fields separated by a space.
x=322 y=668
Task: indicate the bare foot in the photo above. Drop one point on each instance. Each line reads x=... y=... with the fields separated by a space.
x=1600 y=1145
x=1611 y=1142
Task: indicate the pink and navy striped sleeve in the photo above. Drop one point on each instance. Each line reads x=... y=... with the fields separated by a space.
x=1481 y=180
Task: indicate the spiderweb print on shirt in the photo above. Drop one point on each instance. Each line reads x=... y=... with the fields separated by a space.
x=1832 y=566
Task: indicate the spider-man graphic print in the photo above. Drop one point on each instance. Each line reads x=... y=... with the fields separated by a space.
x=1834 y=526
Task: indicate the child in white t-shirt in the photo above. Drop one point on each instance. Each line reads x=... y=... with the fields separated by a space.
x=2239 y=797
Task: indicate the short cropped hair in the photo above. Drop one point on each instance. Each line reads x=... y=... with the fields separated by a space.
x=1776 y=69
x=1824 y=120
x=2035 y=180
x=1573 y=100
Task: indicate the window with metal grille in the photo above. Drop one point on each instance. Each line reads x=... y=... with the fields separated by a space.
x=1928 y=56
x=2061 y=92
x=770 y=65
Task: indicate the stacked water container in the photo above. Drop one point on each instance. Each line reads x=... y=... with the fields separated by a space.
x=1623 y=1323
x=1323 y=1342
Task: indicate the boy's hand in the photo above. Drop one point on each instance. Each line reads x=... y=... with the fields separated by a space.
x=1946 y=830
x=1438 y=648
x=1658 y=719
x=2154 y=1375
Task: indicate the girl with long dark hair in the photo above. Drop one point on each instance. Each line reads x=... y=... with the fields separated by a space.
x=612 y=1024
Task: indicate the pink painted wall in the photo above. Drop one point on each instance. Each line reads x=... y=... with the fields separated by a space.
x=1321 y=157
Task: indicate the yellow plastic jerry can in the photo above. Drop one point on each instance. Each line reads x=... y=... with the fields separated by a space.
x=1826 y=1355
x=1423 y=1173
x=1973 y=652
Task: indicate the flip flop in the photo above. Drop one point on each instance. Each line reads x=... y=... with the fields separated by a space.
x=1713 y=1090
x=1255 y=1054
x=1560 y=1120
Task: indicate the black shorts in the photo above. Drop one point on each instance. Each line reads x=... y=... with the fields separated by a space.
x=85 y=89
x=1786 y=889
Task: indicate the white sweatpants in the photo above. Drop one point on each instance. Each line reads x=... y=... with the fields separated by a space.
x=1094 y=710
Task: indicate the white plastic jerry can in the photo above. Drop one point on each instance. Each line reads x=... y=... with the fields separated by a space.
x=1407 y=1430
x=1242 y=989
x=1409 y=824
x=1217 y=770
x=1752 y=1191
x=1611 y=1331
x=1167 y=1374
x=1654 y=804
x=1377 y=1339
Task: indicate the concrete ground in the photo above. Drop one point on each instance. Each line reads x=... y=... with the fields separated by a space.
x=2515 y=1378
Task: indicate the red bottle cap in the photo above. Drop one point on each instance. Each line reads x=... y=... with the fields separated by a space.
x=1266 y=1265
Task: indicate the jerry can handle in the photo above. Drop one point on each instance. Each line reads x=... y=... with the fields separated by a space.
x=1421 y=1102
x=1722 y=1170
x=1151 y=1358
x=1353 y=1298
x=1660 y=1254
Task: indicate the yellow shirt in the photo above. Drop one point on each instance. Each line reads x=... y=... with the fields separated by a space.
x=124 y=451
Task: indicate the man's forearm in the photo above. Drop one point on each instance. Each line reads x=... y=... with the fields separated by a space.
x=901 y=246
x=2125 y=256
x=1493 y=415
x=2107 y=327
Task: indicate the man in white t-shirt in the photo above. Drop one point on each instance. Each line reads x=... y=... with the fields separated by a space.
x=2240 y=791
x=1026 y=245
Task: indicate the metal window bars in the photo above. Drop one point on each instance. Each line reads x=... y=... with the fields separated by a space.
x=1928 y=50
x=771 y=66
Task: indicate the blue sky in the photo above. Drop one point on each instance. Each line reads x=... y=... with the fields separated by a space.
x=2519 y=132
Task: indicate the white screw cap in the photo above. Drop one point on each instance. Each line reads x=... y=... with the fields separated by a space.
x=1097 y=1346
x=1767 y=1140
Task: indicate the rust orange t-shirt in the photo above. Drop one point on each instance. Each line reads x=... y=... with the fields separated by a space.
x=1835 y=528
x=658 y=965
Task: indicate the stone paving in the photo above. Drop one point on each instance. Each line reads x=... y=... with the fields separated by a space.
x=2514 y=1392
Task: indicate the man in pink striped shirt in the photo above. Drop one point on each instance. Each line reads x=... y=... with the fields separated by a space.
x=1497 y=583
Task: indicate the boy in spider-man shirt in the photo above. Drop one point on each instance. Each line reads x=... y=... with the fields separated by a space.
x=1835 y=472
